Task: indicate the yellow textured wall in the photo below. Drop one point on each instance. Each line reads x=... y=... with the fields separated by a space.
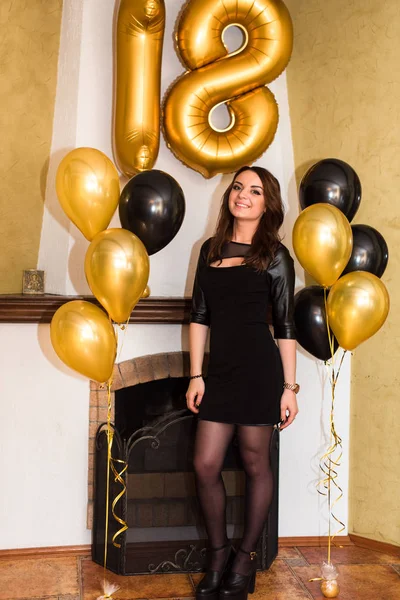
x=344 y=95
x=30 y=37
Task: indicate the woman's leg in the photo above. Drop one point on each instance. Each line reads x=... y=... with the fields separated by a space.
x=255 y=447
x=212 y=440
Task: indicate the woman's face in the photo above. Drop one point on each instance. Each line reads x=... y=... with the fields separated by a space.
x=246 y=200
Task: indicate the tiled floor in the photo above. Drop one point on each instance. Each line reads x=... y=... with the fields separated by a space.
x=364 y=575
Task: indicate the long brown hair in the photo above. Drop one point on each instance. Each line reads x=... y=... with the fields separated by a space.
x=266 y=237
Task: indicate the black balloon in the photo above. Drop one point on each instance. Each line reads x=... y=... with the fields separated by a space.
x=310 y=322
x=152 y=206
x=334 y=182
x=370 y=252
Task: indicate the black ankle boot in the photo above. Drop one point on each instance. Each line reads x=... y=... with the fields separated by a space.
x=237 y=586
x=208 y=588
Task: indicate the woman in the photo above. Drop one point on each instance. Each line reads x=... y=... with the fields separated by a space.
x=251 y=381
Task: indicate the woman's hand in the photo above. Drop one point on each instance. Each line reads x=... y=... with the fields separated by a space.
x=195 y=394
x=288 y=404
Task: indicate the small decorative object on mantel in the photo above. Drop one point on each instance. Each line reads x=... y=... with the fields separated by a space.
x=33 y=282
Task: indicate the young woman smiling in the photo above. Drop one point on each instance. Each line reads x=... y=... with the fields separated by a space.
x=251 y=380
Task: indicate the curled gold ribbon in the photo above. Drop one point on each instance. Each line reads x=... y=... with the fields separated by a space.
x=118 y=477
x=110 y=436
x=111 y=461
x=331 y=460
x=109 y=589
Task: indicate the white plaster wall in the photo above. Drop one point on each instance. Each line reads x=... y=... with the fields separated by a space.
x=55 y=237
x=44 y=435
x=45 y=405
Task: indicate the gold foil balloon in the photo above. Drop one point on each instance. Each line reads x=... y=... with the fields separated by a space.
x=83 y=337
x=330 y=588
x=87 y=187
x=117 y=270
x=138 y=47
x=323 y=241
x=237 y=79
x=146 y=292
x=358 y=305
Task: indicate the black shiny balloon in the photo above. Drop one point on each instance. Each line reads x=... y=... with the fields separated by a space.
x=310 y=322
x=152 y=206
x=370 y=252
x=334 y=182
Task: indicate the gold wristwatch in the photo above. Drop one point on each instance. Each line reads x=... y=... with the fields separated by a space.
x=292 y=386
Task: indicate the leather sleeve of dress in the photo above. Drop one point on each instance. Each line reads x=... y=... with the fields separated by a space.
x=282 y=278
x=200 y=312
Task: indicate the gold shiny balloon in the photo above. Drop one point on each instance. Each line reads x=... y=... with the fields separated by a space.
x=138 y=47
x=146 y=292
x=237 y=79
x=117 y=270
x=323 y=241
x=87 y=187
x=84 y=339
x=330 y=588
x=358 y=305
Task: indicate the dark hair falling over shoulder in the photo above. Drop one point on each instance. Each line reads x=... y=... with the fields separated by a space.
x=266 y=237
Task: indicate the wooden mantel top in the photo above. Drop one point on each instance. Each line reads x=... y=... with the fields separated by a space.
x=24 y=308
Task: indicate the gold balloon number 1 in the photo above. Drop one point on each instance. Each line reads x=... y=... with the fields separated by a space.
x=138 y=45
x=214 y=77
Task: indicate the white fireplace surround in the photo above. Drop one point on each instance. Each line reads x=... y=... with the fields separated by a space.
x=44 y=439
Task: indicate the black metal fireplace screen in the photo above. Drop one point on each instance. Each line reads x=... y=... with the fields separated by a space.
x=154 y=434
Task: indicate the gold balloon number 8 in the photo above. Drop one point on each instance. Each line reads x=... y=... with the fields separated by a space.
x=238 y=79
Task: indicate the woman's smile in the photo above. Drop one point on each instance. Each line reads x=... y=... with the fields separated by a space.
x=246 y=199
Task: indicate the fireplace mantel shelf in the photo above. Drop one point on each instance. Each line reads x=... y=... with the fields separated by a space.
x=20 y=308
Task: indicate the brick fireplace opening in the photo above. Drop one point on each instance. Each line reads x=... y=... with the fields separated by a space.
x=154 y=434
x=129 y=373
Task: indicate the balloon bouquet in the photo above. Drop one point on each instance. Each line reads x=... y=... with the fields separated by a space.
x=350 y=303
x=116 y=265
x=152 y=208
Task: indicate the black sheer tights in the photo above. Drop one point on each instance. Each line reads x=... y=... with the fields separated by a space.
x=212 y=442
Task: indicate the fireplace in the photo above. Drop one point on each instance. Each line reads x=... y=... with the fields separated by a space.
x=154 y=434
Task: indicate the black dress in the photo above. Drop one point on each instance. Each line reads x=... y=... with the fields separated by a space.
x=245 y=376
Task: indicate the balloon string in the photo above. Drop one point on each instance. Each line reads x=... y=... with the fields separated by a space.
x=329 y=460
x=118 y=474
x=109 y=444
x=123 y=328
x=110 y=460
x=330 y=335
x=118 y=477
